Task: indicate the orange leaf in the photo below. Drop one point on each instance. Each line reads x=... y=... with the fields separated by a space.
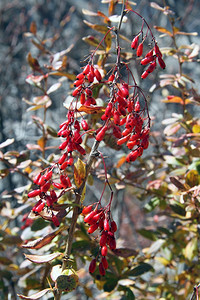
x=121 y=161
x=92 y=109
x=163 y=30
x=33 y=28
x=176 y=99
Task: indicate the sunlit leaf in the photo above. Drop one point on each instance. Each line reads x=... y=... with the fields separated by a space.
x=121 y=161
x=91 y=40
x=100 y=28
x=191 y=249
x=41 y=142
x=7 y=143
x=35 y=296
x=41 y=242
x=192 y=178
x=79 y=172
x=163 y=30
x=196 y=128
x=64 y=74
x=92 y=109
x=40 y=259
x=54 y=87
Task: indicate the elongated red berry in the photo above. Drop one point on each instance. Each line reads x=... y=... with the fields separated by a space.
x=111 y=77
x=97 y=75
x=137 y=106
x=44 y=188
x=80 y=149
x=132 y=156
x=147 y=60
x=63 y=181
x=102 y=270
x=150 y=53
x=78 y=82
x=145 y=143
x=139 y=50
x=87 y=209
x=82 y=98
x=34 y=193
x=39 y=207
x=123 y=91
x=92 y=266
x=100 y=135
x=113 y=226
x=92 y=228
x=84 y=125
x=106 y=225
x=112 y=243
x=57 y=185
x=70 y=161
x=89 y=217
x=117 y=132
x=152 y=67
x=49 y=201
x=103 y=239
x=86 y=70
x=76 y=91
x=104 y=262
x=80 y=76
x=55 y=220
x=37 y=178
x=134 y=43
x=63 y=145
x=48 y=175
x=53 y=196
x=62 y=158
x=131 y=144
x=104 y=251
x=161 y=62
x=123 y=140
x=157 y=51
x=144 y=75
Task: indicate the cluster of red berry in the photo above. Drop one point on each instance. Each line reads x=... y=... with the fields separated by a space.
x=150 y=57
x=100 y=218
x=48 y=196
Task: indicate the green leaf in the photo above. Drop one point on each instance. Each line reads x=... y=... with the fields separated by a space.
x=149 y=234
x=192 y=178
x=140 y=269
x=81 y=245
x=110 y=284
x=178 y=209
x=190 y=249
x=155 y=201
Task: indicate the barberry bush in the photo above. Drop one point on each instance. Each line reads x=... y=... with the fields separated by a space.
x=103 y=142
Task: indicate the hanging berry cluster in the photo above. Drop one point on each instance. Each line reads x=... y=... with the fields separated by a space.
x=124 y=115
x=100 y=218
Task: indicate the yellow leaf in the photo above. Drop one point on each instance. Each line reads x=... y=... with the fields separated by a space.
x=79 y=172
x=162 y=260
x=196 y=128
x=163 y=30
x=83 y=194
x=190 y=249
x=41 y=142
x=108 y=41
x=100 y=28
x=192 y=178
x=91 y=40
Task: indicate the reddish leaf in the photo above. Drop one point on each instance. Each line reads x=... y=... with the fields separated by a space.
x=125 y=252
x=41 y=242
x=92 y=109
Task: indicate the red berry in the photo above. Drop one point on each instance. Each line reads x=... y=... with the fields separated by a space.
x=48 y=175
x=86 y=69
x=113 y=226
x=57 y=185
x=112 y=243
x=134 y=43
x=64 y=181
x=103 y=239
x=104 y=262
x=102 y=270
x=97 y=75
x=62 y=158
x=132 y=156
x=92 y=266
x=139 y=50
x=76 y=91
x=147 y=60
x=87 y=209
x=80 y=76
x=101 y=133
x=55 y=220
x=144 y=75
x=104 y=251
x=157 y=51
x=34 y=193
x=84 y=125
x=53 y=196
x=161 y=62
x=111 y=77
x=46 y=187
x=106 y=225
x=39 y=207
x=92 y=228
x=82 y=98
x=90 y=216
x=123 y=140
x=36 y=178
x=78 y=82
